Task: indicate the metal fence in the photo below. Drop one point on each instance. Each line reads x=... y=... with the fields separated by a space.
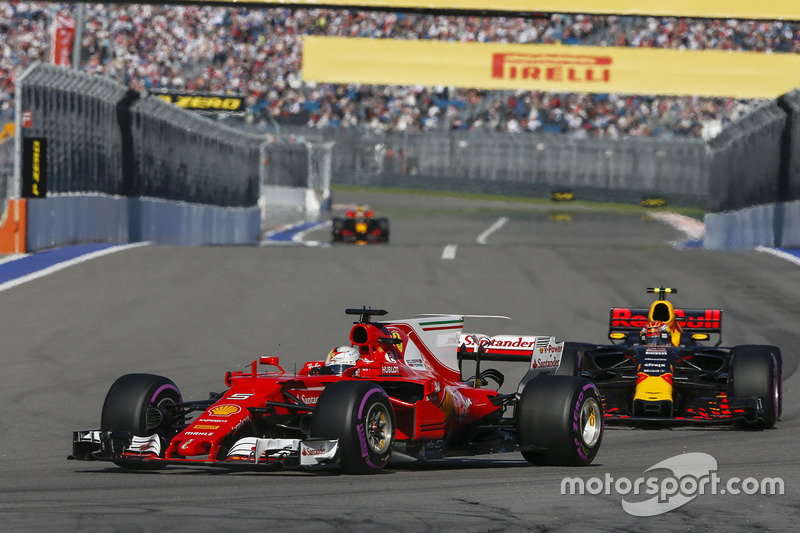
x=285 y=164
x=180 y=155
x=745 y=160
x=102 y=137
x=77 y=115
x=789 y=187
x=519 y=164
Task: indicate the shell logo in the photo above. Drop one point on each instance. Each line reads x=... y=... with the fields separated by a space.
x=224 y=410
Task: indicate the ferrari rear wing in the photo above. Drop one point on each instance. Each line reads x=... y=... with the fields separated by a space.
x=511 y=348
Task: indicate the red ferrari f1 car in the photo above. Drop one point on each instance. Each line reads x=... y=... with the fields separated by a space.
x=659 y=371
x=360 y=226
x=401 y=391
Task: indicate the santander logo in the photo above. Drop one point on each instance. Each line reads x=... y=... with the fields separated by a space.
x=545 y=363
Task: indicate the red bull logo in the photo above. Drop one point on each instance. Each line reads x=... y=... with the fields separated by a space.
x=691 y=319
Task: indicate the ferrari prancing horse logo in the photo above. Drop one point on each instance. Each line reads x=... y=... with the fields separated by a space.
x=396 y=335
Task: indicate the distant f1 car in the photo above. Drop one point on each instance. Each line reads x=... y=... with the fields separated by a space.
x=360 y=226
x=657 y=369
x=401 y=391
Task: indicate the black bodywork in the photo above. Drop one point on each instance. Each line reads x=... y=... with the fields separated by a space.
x=356 y=230
x=699 y=383
x=693 y=382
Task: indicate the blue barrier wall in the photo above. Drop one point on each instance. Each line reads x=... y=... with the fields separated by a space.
x=59 y=220
x=741 y=229
x=164 y=222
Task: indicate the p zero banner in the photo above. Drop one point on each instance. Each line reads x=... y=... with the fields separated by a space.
x=554 y=68
x=209 y=103
x=34 y=167
x=738 y=9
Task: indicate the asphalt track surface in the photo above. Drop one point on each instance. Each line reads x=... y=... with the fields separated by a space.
x=191 y=314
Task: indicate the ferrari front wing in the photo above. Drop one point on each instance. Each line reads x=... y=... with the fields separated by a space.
x=92 y=445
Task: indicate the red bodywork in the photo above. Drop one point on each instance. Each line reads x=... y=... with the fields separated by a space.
x=405 y=393
x=444 y=403
x=414 y=361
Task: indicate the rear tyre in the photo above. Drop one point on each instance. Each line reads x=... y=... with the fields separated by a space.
x=756 y=371
x=337 y=227
x=383 y=225
x=359 y=414
x=560 y=421
x=137 y=403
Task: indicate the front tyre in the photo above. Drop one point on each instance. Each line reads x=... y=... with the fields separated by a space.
x=142 y=404
x=755 y=371
x=359 y=414
x=559 y=421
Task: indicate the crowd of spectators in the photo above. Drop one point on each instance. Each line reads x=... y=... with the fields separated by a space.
x=693 y=34
x=256 y=52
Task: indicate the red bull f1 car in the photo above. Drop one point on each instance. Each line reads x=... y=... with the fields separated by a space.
x=403 y=393
x=660 y=369
x=360 y=226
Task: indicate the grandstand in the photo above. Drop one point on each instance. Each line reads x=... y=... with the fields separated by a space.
x=256 y=52
x=146 y=169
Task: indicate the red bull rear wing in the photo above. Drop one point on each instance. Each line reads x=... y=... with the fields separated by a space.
x=691 y=321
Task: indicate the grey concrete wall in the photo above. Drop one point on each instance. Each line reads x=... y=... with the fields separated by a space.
x=165 y=222
x=762 y=225
x=790 y=230
x=71 y=219
x=741 y=229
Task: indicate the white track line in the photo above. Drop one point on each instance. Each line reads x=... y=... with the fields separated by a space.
x=449 y=251
x=68 y=263
x=494 y=227
x=300 y=235
x=691 y=227
x=778 y=253
x=12 y=257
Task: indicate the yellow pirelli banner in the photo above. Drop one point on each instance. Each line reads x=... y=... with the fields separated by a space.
x=740 y=9
x=556 y=68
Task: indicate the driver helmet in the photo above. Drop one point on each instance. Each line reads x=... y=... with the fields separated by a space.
x=656 y=333
x=341 y=358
